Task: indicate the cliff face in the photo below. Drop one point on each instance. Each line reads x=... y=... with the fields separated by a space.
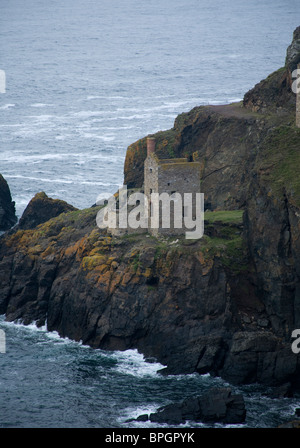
x=192 y=305
x=226 y=304
x=7 y=206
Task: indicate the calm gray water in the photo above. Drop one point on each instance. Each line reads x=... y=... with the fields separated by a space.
x=84 y=80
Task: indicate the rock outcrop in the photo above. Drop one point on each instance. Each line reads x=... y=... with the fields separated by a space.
x=7 y=207
x=40 y=209
x=218 y=405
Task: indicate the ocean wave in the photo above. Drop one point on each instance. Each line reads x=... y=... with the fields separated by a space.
x=19 y=323
x=10 y=125
x=7 y=106
x=104 y=154
x=41 y=105
x=34 y=328
x=44 y=117
x=40 y=179
x=30 y=131
x=131 y=362
x=89 y=113
x=22 y=157
x=128 y=362
x=134 y=412
x=98 y=97
x=108 y=138
x=58 y=181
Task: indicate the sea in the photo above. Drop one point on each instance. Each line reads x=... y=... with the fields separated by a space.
x=84 y=80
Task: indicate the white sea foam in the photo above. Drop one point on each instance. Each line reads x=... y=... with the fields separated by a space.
x=19 y=323
x=7 y=106
x=10 y=125
x=120 y=128
x=41 y=105
x=108 y=138
x=41 y=179
x=34 y=328
x=27 y=132
x=59 y=181
x=131 y=362
x=96 y=97
x=89 y=113
x=44 y=117
x=134 y=412
x=99 y=183
x=23 y=157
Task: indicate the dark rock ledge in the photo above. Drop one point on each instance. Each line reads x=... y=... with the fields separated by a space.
x=218 y=405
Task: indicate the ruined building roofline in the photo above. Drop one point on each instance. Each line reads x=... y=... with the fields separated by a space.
x=170 y=162
x=151 y=142
x=179 y=166
x=178 y=160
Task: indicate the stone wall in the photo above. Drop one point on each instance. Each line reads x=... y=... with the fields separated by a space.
x=171 y=176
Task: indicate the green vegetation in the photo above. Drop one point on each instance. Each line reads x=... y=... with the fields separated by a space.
x=224 y=216
x=279 y=162
x=165 y=143
x=231 y=252
x=136 y=262
x=161 y=250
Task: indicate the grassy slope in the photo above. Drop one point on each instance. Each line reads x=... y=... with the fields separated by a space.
x=279 y=162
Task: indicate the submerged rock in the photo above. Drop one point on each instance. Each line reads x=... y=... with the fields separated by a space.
x=283 y=391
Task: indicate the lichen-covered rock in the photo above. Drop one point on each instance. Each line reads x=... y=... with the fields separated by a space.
x=7 y=207
x=40 y=209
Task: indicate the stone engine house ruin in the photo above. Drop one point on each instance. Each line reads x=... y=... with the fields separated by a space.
x=170 y=176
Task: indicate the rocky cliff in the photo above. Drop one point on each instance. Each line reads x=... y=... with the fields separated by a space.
x=7 y=207
x=225 y=304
